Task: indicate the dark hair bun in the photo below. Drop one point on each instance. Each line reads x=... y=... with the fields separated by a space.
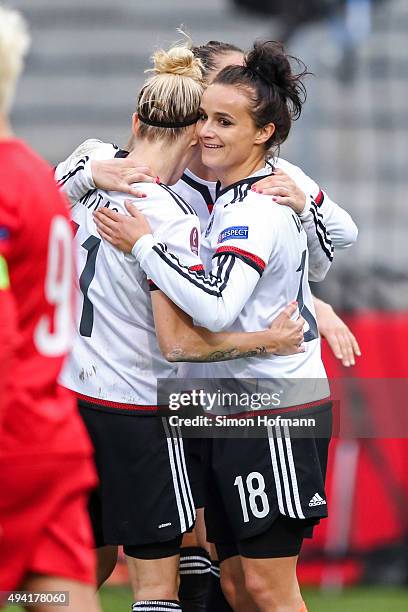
x=268 y=61
x=275 y=91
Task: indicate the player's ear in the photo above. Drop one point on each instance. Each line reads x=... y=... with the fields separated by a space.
x=135 y=124
x=264 y=133
x=194 y=137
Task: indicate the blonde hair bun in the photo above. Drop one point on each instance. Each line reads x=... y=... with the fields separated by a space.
x=171 y=95
x=177 y=60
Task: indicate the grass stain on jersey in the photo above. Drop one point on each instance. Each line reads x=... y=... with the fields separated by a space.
x=86 y=374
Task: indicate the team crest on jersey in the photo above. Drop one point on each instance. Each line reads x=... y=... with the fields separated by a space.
x=236 y=232
x=194 y=241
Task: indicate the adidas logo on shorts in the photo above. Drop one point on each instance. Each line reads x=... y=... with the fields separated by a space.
x=317 y=500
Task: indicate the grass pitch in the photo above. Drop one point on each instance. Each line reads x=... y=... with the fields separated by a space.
x=119 y=599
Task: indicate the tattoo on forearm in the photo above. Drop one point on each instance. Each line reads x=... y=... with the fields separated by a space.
x=234 y=353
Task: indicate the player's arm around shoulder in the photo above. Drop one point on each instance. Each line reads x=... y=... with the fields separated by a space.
x=274 y=226
x=89 y=148
x=93 y=165
x=337 y=220
x=74 y=175
x=342 y=228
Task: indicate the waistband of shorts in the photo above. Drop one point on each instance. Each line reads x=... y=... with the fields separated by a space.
x=97 y=403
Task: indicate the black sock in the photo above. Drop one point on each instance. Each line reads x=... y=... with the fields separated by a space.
x=216 y=601
x=194 y=578
x=156 y=605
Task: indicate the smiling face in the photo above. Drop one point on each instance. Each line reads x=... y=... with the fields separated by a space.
x=231 y=144
x=220 y=61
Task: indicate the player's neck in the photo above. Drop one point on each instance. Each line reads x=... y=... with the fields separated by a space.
x=6 y=132
x=197 y=167
x=231 y=175
x=131 y=143
x=162 y=159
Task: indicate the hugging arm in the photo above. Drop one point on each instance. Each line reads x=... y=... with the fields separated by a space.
x=73 y=175
x=180 y=340
x=285 y=190
x=290 y=186
x=93 y=165
x=213 y=301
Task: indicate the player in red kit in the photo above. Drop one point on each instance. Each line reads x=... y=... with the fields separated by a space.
x=46 y=469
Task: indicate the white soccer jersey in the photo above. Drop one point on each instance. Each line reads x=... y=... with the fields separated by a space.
x=256 y=258
x=200 y=194
x=116 y=358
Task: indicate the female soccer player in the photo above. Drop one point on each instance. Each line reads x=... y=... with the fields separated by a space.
x=256 y=257
x=144 y=501
x=46 y=468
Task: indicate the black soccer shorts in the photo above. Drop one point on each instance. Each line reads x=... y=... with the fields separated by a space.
x=284 y=538
x=144 y=495
x=196 y=452
x=253 y=481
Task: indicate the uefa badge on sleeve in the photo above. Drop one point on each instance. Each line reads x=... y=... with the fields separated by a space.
x=237 y=232
x=194 y=241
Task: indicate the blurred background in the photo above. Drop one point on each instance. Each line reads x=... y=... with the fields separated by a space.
x=82 y=76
